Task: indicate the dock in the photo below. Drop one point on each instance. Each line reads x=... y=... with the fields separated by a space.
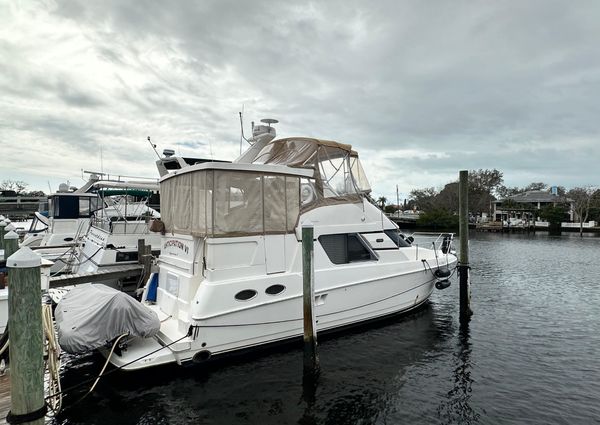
x=492 y=226
x=4 y=397
x=404 y=219
x=497 y=226
x=102 y=274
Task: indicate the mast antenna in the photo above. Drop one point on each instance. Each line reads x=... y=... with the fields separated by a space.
x=242 y=128
x=153 y=147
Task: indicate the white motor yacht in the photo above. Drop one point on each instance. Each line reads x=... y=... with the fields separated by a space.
x=87 y=227
x=114 y=231
x=69 y=212
x=230 y=269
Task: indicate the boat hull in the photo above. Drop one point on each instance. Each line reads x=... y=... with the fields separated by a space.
x=336 y=307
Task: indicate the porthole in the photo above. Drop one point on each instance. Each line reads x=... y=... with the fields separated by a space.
x=275 y=289
x=245 y=295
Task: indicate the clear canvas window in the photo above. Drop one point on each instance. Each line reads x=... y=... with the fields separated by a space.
x=238 y=203
x=292 y=202
x=230 y=203
x=275 y=206
x=335 y=173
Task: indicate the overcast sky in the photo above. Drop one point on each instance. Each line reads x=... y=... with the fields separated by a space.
x=421 y=89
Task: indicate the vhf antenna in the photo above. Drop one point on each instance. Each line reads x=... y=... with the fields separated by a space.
x=153 y=147
x=242 y=128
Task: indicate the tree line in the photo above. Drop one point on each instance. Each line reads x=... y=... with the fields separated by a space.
x=19 y=188
x=440 y=206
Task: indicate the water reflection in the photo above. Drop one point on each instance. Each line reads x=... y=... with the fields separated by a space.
x=536 y=365
x=457 y=406
x=310 y=382
x=360 y=375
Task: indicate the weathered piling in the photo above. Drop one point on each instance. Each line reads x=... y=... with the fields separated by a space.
x=311 y=357
x=145 y=259
x=463 y=267
x=2 y=230
x=11 y=243
x=9 y=228
x=26 y=339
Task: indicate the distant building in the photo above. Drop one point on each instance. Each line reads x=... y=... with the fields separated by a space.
x=525 y=206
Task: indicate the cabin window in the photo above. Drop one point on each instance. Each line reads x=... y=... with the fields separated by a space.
x=397 y=238
x=275 y=289
x=84 y=207
x=246 y=294
x=66 y=207
x=346 y=248
x=126 y=256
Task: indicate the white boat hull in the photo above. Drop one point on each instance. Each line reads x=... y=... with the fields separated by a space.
x=3 y=309
x=370 y=294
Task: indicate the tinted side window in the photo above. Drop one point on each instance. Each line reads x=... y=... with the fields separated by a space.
x=356 y=250
x=345 y=248
x=398 y=240
x=336 y=247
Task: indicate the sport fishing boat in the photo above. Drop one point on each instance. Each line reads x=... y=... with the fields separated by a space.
x=230 y=268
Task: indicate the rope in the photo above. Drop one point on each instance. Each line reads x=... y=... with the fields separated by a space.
x=102 y=374
x=104 y=368
x=427 y=266
x=4 y=347
x=54 y=399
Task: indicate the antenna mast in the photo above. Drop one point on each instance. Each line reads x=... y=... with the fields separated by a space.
x=242 y=128
x=153 y=147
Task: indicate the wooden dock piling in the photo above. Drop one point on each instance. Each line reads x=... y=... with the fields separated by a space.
x=311 y=356
x=26 y=347
x=9 y=227
x=2 y=231
x=463 y=267
x=145 y=259
x=11 y=243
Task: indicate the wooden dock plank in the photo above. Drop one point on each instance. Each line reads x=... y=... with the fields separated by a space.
x=4 y=397
x=106 y=273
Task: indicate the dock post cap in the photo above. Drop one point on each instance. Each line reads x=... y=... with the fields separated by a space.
x=307 y=224
x=24 y=258
x=11 y=235
x=10 y=227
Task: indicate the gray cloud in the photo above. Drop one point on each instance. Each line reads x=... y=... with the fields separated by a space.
x=505 y=85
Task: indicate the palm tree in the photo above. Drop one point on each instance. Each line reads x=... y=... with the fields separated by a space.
x=382 y=200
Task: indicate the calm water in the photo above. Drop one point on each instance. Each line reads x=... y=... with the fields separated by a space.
x=530 y=355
